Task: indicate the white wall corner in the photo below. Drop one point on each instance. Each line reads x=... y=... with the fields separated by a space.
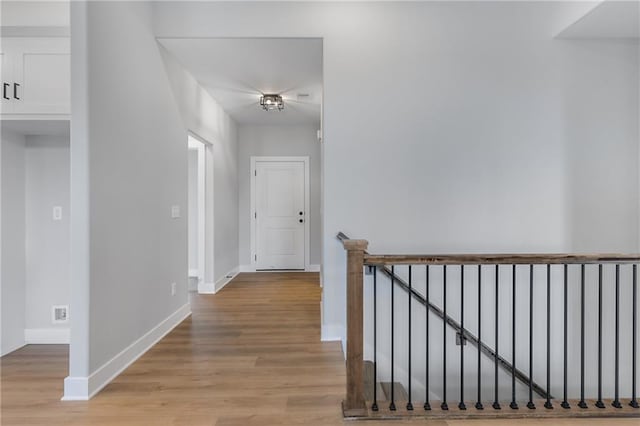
x=313 y=268
x=334 y=333
x=193 y=284
x=226 y=278
x=47 y=336
x=76 y=389
x=247 y=268
x=84 y=388
x=206 y=288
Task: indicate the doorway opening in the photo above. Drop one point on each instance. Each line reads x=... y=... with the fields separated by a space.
x=290 y=75
x=34 y=194
x=200 y=215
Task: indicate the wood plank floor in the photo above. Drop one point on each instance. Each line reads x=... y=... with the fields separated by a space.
x=249 y=355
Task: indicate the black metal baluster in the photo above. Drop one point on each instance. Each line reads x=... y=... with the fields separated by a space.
x=392 y=405
x=565 y=402
x=427 y=405
x=444 y=404
x=634 y=330
x=548 y=404
x=599 y=402
x=374 y=406
x=496 y=404
x=514 y=404
x=462 y=405
x=479 y=405
x=582 y=403
x=530 y=404
x=409 y=404
x=616 y=402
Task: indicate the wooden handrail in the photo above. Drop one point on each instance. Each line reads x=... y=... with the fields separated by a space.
x=499 y=259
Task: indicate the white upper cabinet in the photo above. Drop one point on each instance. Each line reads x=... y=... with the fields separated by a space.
x=6 y=74
x=36 y=77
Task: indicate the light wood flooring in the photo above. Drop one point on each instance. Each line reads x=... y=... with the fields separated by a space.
x=249 y=355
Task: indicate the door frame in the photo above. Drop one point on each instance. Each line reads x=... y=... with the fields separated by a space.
x=307 y=227
x=201 y=205
x=206 y=234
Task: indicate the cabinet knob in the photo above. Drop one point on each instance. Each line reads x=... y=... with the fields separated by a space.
x=4 y=91
x=15 y=91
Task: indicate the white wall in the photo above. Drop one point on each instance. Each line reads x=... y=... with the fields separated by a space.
x=48 y=256
x=278 y=141
x=202 y=115
x=12 y=287
x=472 y=149
x=35 y=13
x=601 y=137
x=129 y=167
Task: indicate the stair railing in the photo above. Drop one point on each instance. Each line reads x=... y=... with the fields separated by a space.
x=620 y=402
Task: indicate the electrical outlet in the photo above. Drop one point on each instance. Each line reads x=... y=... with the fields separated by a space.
x=173 y=289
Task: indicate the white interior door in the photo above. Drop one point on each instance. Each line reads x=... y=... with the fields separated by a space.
x=280 y=215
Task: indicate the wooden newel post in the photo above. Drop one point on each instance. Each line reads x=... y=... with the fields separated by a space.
x=354 y=405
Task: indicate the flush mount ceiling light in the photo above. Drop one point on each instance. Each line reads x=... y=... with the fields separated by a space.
x=271 y=102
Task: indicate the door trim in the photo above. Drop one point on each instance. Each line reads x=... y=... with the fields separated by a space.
x=307 y=227
x=206 y=237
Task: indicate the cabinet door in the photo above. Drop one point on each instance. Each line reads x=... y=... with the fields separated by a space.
x=43 y=71
x=6 y=77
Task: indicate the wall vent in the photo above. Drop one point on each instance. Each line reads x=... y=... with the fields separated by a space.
x=60 y=314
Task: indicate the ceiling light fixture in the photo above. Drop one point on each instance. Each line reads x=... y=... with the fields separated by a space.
x=271 y=102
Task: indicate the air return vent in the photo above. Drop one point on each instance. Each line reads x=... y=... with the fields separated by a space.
x=60 y=314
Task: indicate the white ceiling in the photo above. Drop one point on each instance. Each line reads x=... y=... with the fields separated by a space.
x=236 y=71
x=611 y=19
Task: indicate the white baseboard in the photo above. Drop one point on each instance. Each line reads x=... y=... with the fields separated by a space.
x=247 y=268
x=213 y=288
x=76 y=389
x=226 y=279
x=46 y=336
x=206 y=288
x=334 y=333
x=84 y=388
x=250 y=268
x=11 y=348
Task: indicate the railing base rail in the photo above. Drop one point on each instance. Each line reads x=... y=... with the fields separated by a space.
x=454 y=412
x=354 y=413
